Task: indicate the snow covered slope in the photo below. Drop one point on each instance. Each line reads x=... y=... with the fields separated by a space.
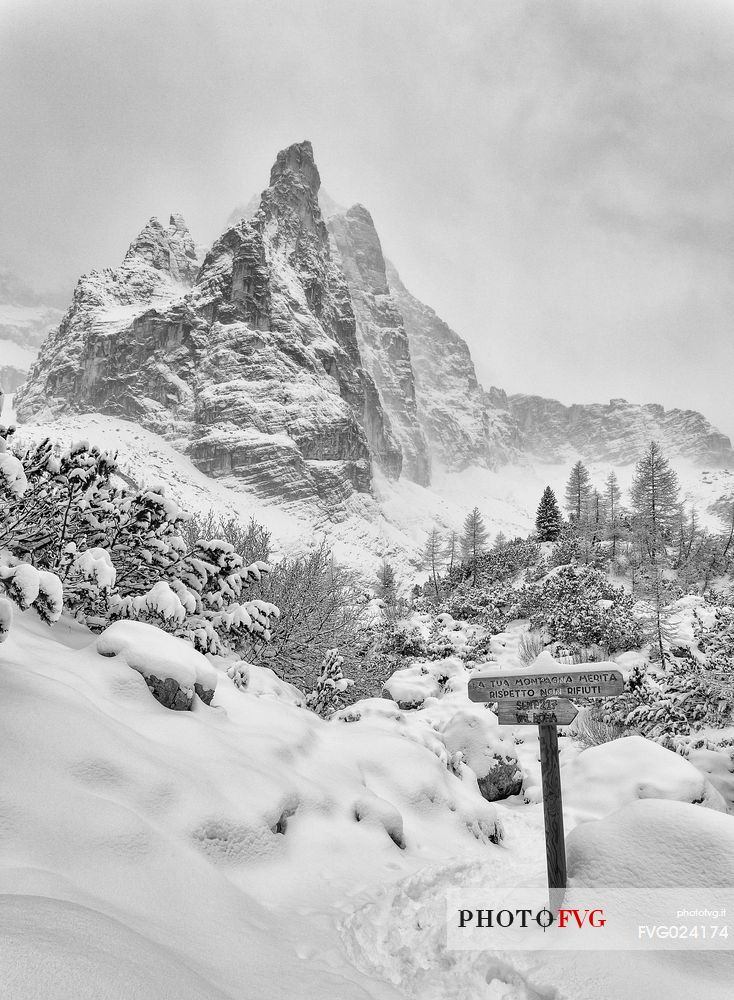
x=251 y=849
x=392 y=523
x=157 y=854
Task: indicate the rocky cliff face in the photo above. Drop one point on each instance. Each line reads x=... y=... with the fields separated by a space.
x=250 y=363
x=383 y=342
x=616 y=432
x=462 y=424
x=87 y=363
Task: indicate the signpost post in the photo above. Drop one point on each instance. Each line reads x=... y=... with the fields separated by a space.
x=542 y=699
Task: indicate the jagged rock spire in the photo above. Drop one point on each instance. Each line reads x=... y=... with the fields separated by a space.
x=170 y=249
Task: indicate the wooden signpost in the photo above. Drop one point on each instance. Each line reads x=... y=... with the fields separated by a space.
x=542 y=699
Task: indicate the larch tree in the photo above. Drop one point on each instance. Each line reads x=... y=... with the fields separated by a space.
x=451 y=551
x=658 y=621
x=655 y=505
x=474 y=540
x=612 y=504
x=548 y=520
x=432 y=557
x=578 y=493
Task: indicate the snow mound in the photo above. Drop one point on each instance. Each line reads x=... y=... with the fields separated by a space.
x=155 y=653
x=654 y=843
x=411 y=686
x=487 y=750
x=604 y=778
x=262 y=682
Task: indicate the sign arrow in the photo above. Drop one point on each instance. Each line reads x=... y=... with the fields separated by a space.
x=549 y=712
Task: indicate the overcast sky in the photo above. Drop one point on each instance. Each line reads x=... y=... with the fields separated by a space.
x=555 y=177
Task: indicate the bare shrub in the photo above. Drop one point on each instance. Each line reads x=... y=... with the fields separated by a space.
x=591 y=729
x=321 y=607
x=251 y=540
x=530 y=647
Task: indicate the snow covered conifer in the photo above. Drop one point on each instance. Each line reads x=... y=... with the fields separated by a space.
x=548 y=517
x=654 y=495
x=330 y=686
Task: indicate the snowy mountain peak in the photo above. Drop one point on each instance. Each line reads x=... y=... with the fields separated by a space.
x=169 y=249
x=295 y=363
x=296 y=161
x=291 y=200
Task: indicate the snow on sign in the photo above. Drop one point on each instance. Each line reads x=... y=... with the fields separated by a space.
x=548 y=712
x=579 y=682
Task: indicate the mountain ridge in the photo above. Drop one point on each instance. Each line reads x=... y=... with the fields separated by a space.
x=294 y=360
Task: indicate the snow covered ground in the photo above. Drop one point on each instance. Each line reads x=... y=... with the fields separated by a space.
x=251 y=849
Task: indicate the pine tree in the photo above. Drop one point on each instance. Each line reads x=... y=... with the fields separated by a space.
x=474 y=540
x=578 y=493
x=654 y=495
x=330 y=686
x=432 y=557
x=548 y=519
x=612 y=498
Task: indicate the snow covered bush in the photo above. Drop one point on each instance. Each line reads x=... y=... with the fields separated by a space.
x=201 y=600
x=481 y=605
x=29 y=587
x=121 y=553
x=669 y=705
x=405 y=638
x=326 y=698
x=716 y=640
x=580 y=607
x=505 y=561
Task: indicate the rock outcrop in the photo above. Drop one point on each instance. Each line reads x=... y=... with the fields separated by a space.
x=250 y=363
x=383 y=342
x=616 y=432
